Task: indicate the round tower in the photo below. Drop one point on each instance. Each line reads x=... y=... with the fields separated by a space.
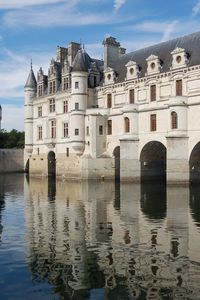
x=78 y=103
x=30 y=90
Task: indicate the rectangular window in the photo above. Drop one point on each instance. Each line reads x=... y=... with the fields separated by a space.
x=53 y=129
x=153 y=122
x=153 y=92
x=76 y=84
x=87 y=131
x=65 y=83
x=39 y=111
x=54 y=87
x=132 y=96
x=65 y=130
x=39 y=132
x=76 y=106
x=67 y=152
x=52 y=105
x=65 y=106
x=100 y=130
x=50 y=87
x=109 y=124
x=76 y=131
x=179 y=87
x=109 y=100
x=40 y=90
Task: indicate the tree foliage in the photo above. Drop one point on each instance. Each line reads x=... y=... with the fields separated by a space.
x=12 y=139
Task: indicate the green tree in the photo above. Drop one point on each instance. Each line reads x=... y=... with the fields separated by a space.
x=12 y=139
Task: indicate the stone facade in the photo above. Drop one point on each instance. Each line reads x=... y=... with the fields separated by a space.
x=146 y=104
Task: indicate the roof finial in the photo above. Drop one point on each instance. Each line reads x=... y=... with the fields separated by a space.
x=31 y=64
x=83 y=47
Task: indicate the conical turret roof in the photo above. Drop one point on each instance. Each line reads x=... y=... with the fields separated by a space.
x=81 y=62
x=31 y=81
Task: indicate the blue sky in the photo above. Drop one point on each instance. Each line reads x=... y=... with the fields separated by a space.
x=34 y=28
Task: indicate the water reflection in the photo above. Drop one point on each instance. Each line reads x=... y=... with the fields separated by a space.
x=87 y=245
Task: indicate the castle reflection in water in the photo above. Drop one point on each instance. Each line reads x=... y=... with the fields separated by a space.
x=94 y=240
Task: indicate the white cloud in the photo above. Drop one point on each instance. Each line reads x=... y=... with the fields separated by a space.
x=196 y=9
x=12 y=117
x=118 y=4
x=59 y=15
x=15 y=4
x=169 y=30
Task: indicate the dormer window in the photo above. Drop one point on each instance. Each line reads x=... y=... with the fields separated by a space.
x=153 y=64
x=132 y=70
x=109 y=75
x=179 y=58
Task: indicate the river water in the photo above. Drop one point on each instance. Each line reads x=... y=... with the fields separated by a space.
x=98 y=240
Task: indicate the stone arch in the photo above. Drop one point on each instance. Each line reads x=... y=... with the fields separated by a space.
x=27 y=166
x=194 y=164
x=51 y=164
x=195 y=204
x=153 y=161
x=116 y=154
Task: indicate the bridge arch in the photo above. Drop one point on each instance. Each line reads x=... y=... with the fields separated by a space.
x=153 y=161
x=51 y=164
x=194 y=163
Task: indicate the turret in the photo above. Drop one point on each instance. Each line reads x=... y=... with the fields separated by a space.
x=78 y=105
x=30 y=90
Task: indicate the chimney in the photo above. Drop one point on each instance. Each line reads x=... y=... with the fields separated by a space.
x=111 y=51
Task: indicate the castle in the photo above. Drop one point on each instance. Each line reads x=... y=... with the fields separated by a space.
x=128 y=116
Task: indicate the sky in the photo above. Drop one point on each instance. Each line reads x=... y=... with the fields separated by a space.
x=32 y=29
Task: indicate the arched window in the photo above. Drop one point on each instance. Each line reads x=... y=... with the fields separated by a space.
x=174 y=120
x=127 y=124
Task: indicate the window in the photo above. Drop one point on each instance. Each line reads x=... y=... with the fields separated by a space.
x=174 y=120
x=39 y=132
x=153 y=122
x=100 y=130
x=53 y=129
x=76 y=131
x=54 y=86
x=39 y=111
x=127 y=124
x=40 y=90
x=52 y=105
x=65 y=106
x=109 y=127
x=50 y=87
x=131 y=96
x=67 y=151
x=76 y=84
x=109 y=100
x=65 y=130
x=95 y=81
x=87 y=131
x=76 y=106
x=179 y=87
x=65 y=83
x=153 y=92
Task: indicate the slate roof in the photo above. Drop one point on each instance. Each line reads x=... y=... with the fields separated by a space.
x=82 y=61
x=31 y=81
x=191 y=44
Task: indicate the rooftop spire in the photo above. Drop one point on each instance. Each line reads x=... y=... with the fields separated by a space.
x=31 y=81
